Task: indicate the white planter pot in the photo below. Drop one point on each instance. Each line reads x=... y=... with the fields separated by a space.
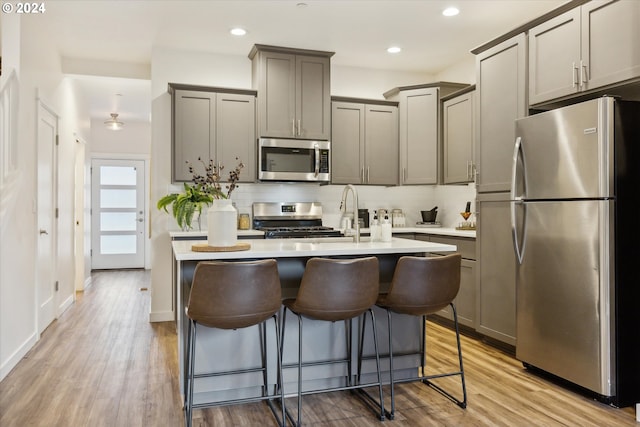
x=222 y=222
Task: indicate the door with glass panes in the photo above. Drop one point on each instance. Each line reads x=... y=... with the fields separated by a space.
x=118 y=217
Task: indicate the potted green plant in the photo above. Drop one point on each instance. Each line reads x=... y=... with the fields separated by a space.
x=204 y=190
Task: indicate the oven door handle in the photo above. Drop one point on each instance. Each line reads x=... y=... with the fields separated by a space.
x=317 y=152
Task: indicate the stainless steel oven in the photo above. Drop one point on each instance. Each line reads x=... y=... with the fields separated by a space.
x=291 y=220
x=294 y=160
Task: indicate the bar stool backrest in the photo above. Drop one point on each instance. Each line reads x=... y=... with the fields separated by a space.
x=232 y=295
x=337 y=289
x=424 y=285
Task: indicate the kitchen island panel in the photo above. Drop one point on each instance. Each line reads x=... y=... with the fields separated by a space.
x=220 y=350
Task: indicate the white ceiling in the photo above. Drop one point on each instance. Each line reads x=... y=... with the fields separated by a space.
x=358 y=31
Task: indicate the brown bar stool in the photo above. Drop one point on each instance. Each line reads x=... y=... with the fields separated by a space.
x=421 y=286
x=334 y=290
x=234 y=295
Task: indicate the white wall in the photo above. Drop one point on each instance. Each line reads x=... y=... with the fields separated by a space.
x=133 y=138
x=233 y=71
x=38 y=70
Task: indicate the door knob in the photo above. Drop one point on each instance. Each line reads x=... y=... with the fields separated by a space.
x=140 y=219
x=43 y=232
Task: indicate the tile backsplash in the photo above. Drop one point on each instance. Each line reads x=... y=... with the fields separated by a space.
x=450 y=199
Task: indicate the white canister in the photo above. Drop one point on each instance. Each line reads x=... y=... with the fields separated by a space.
x=222 y=222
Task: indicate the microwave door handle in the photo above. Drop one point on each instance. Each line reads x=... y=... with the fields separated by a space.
x=317 y=151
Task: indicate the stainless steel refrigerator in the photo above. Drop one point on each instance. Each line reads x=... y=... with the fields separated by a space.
x=575 y=185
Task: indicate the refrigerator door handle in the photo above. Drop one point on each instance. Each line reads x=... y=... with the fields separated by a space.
x=517 y=151
x=518 y=248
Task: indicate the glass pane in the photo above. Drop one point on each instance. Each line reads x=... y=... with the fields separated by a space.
x=117 y=221
x=110 y=245
x=118 y=198
x=117 y=175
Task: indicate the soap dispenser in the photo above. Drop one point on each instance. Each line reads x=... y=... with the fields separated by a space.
x=386 y=229
x=374 y=229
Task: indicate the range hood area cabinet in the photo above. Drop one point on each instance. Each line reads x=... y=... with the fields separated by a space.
x=586 y=48
x=212 y=123
x=364 y=142
x=294 y=98
x=420 y=130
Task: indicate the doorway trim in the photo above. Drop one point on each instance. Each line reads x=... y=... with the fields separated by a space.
x=147 y=207
x=43 y=106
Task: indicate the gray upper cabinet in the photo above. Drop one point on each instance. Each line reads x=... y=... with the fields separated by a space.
x=293 y=86
x=419 y=112
x=214 y=126
x=589 y=47
x=500 y=100
x=364 y=143
x=458 y=137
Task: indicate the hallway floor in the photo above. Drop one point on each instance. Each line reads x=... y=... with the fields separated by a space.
x=103 y=364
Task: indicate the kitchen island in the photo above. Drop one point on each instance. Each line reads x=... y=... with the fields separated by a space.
x=218 y=350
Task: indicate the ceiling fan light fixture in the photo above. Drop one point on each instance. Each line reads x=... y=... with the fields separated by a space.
x=238 y=31
x=113 y=123
x=451 y=11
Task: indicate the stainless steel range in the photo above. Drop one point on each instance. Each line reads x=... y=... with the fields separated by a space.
x=291 y=220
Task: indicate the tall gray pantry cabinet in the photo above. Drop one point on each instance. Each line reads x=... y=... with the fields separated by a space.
x=294 y=98
x=212 y=124
x=500 y=99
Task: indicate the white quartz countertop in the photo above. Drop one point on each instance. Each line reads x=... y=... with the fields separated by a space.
x=443 y=231
x=289 y=248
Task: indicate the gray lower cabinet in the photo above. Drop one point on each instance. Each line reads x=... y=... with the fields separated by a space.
x=458 y=137
x=294 y=98
x=588 y=47
x=465 y=302
x=500 y=99
x=364 y=143
x=214 y=126
x=496 y=302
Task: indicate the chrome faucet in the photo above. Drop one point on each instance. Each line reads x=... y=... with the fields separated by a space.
x=343 y=209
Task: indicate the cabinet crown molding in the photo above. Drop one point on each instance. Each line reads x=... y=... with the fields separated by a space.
x=290 y=50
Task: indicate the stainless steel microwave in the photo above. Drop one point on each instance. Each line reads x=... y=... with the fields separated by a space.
x=294 y=160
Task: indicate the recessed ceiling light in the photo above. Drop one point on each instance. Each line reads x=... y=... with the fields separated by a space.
x=238 y=31
x=394 y=49
x=450 y=11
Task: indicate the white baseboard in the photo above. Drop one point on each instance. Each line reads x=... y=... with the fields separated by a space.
x=161 y=316
x=66 y=304
x=17 y=356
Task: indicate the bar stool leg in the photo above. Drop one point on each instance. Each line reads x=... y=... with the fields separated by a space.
x=191 y=368
x=375 y=343
x=391 y=414
x=280 y=383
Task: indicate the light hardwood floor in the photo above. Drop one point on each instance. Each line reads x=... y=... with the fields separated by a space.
x=103 y=364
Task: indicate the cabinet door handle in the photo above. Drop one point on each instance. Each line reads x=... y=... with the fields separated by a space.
x=468 y=169
x=584 y=77
x=367 y=174
x=574 y=74
x=363 y=174
x=299 y=128
x=404 y=174
x=293 y=127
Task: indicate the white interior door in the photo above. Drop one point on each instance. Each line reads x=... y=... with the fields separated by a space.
x=118 y=217
x=46 y=216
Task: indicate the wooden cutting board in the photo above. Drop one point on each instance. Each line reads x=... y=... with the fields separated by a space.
x=203 y=247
